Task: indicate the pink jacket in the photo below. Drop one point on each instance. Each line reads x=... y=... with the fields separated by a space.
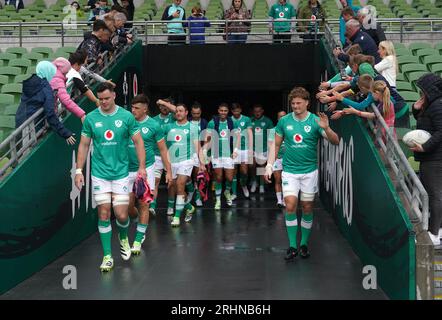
x=58 y=83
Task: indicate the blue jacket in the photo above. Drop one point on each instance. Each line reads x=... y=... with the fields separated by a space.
x=197 y=25
x=342 y=22
x=367 y=44
x=37 y=93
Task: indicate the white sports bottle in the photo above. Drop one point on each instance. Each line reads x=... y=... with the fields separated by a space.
x=416 y=136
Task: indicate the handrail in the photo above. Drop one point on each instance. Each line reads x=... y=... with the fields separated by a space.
x=23 y=138
x=409 y=183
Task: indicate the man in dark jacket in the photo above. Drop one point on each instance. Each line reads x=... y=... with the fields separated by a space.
x=356 y=36
x=37 y=93
x=93 y=42
x=428 y=113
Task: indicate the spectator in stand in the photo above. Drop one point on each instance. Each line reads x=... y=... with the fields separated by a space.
x=18 y=4
x=58 y=85
x=99 y=11
x=175 y=13
x=369 y=25
x=345 y=17
x=37 y=93
x=280 y=11
x=197 y=26
x=315 y=12
x=237 y=11
x=388 y=67
x=129 y=8
x=78 y=11
x=121 y=37
x=93 y=42
x=75 y=80
x=428 y=113
x=356 y=36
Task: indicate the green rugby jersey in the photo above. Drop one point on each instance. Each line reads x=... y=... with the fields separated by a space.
x=301 y=140
x=260 y=133
x=162 y=121
x=223 y=139
x=180 y=140
x=242 y=124
x=110 y=134
x=152 y=133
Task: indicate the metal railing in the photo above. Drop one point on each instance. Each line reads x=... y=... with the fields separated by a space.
x=56 y=33
x=409 y=183
x=18 y=144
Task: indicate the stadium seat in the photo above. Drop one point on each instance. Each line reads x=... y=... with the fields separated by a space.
x=421 y=53
x=431 y=59
x=407 y=68
x=21 y=77
x=5 y=57
x=3 y=80
x=6 y=99
x=13 y=88
x=403 y=86
x=418 y=45
x=34 y=57
x=23 y=64
x=400 y=77
x=438 y=47
x=11 y=72
x=410 y=97
x=45 y=51
x=414 y=76
x=437 y=68
x=403 y=52
x=414 y=164
x=18 y=51
x=405 y=59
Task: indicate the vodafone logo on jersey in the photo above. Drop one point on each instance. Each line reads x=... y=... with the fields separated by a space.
x=223 y=133
x=178 y=138
x=257 y=129
x=281 y=14
x=109 y=135
x=297 y=138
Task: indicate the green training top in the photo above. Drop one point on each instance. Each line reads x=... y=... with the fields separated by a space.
x=260 y=132
x=242 y=124
x=152 y=134
x=180 y=140
x=301 y=140
x=110 y=134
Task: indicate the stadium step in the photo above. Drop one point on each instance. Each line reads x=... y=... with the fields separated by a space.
x=438 y=274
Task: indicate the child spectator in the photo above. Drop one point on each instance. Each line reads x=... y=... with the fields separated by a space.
x=197 y=26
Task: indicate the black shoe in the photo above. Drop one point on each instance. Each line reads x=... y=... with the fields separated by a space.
x=280 y=206
x=291 y=254
x=303 y=252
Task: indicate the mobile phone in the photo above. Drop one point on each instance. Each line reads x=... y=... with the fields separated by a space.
x=343 y=73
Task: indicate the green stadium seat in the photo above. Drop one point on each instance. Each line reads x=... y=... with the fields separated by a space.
x=438 y=47
x=6 y=99
x=421 y=53
x=414 y=76
x=414 y=164
x=34 y=57
x=400 y=77
x=411 y=67
x=11 y=109
x=5 y=58
x=23 y=64
x=410 y=97
x=58 y=54
x=18 y=51
x=21 y=77
x=437 y=68
x=7 y=122
x=15 y=89
x=403 y=52
x=11 y=72
x=45 y=51
x=403 y=86
x=432 y=59
x=68 y=49
x=418 y=45
x=405 y=59
x=398 y=45
x=31 y=70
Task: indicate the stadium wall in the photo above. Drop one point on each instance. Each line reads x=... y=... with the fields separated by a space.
x=356 y=189
x=42 y=216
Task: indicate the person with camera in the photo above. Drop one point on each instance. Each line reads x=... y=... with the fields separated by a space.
x=175 y=13
x=197 y=26
x=236 y=31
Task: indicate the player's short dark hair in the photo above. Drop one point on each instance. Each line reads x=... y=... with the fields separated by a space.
x=98 y=25
x=141 y=98
x=182 y=105
x=196 y=105
x=223 y=105
x=105 y=86
x=258 y=106
x=78 y=57
x=299 y=92
x=235 y=105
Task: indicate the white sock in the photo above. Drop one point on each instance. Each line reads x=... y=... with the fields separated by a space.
x=279 y=196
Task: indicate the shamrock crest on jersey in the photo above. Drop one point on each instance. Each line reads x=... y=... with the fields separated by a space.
x=118 y=123
x=145 y=130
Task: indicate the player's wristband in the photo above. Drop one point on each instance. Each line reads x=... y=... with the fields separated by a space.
x=78 y=171
x=235 y=150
